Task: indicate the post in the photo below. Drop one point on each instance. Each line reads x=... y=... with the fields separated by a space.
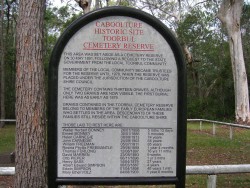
x=231 y=132
x=200 y=125
x=214 y=129
x=211 y=181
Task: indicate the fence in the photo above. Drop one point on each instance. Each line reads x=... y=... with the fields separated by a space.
x=7 y=120
x=230 y=125
x=210 y=170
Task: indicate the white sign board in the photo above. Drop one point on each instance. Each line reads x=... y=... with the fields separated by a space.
x=117 y=102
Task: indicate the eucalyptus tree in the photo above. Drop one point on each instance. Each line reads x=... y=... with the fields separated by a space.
x=174 y=12
x=209 y=76
x=193 y=22
x=230 y=15
x=85 y=5
x=88 y=5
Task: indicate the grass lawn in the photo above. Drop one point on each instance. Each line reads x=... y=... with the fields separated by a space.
x=203 y=148
x=7 y=139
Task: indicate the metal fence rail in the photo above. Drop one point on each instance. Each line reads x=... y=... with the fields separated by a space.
x=7 y=171
x=213 y=170
x=189 y=120
x=7 y=120
x=218 y=169
x=219 y=123
x=190 y=170
x=210 y=170
x=214 y=123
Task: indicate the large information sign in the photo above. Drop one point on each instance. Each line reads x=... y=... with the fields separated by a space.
x=117 y=102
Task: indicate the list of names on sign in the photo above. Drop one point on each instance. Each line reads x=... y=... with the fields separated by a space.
x=117 y=102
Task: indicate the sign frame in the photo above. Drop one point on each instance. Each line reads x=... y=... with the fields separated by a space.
x=179 y=180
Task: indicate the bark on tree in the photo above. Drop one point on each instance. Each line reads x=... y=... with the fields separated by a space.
x=230 y=14
x=30 y=97
x=2 y=69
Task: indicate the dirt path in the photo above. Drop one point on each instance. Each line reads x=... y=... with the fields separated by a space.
x=6 y=181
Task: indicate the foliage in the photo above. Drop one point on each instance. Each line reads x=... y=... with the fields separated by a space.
x=245 y=28
x=9 y=34
x=210 y=81
x=56 y=21
x=209 y=73
x=125 y=3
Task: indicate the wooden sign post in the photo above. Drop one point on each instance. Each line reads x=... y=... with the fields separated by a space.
x=117 y=102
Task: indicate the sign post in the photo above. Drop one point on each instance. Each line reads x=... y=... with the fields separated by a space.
x=117 y=102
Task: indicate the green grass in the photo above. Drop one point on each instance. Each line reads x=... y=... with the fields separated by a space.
x=203 y=148
x=196 y=181
x=7 y=139
x=233 y=180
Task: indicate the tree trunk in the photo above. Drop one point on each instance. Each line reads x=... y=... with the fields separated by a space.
x=97 y=4
x=2 y=69
x=30 y=97
x=85 y=5
x=229 y=14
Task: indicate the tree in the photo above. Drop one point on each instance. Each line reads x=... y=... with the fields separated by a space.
x=85 y=5
x=230 y=14
x=30 y=97
x=209 y=77
x=173 y=13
